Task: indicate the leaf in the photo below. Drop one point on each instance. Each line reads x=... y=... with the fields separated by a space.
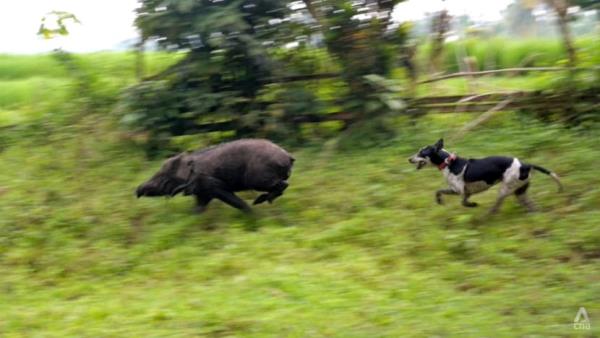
x=59 y=19
x=395 y=104
x=185 y=6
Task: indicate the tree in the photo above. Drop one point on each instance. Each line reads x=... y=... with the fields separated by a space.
x=233 y=52
x=227 y=59
x=561 y=9
x=439 y=27
x=519 y=19
x=364 y=40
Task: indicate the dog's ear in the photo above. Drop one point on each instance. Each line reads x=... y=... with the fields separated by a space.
x=439 y=144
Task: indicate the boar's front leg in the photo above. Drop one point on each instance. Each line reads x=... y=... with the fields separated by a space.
x=215 y=188
x=231 y=199
x=201 y=202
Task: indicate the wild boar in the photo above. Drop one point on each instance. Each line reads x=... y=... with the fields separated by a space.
x=220 y=171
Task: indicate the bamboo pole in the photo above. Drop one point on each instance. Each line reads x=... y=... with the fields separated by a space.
x=506 y=70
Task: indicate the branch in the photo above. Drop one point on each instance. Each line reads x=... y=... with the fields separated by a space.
x=308 y=77
x=506 y=70
x=313 y=118
x=314 y=12
x=482 y=118
x=468 y=99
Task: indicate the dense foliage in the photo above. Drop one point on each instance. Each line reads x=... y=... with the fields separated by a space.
x=236 y=50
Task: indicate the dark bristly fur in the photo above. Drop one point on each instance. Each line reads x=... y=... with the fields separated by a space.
x=220 y=171
x=467 y=177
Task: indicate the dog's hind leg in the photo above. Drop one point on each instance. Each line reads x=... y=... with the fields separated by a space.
x=439 y=193
x=523 y=199
x=505 y=191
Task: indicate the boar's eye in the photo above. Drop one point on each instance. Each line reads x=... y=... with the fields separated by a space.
x=190 y=165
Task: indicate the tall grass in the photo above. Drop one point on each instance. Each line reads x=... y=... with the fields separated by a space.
x=32 y=84
x=26 y=66
x=497 y=53
x=120 y=64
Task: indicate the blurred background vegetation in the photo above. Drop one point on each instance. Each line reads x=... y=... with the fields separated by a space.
x=356 y=247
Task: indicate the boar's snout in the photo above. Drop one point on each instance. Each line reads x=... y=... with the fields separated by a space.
x=140 y=191
x=147 y=189
x=169 y=187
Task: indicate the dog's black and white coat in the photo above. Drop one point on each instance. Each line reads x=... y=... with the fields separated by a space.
x=467 y=177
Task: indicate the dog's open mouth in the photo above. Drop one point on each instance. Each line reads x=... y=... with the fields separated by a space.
x=418 y=162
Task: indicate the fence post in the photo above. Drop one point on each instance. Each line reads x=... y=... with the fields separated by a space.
x=139 y=59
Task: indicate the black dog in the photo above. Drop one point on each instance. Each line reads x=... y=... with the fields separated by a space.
x=467 y=177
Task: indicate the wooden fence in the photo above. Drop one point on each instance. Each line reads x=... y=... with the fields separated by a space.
x=479 y=103
x=484 y=102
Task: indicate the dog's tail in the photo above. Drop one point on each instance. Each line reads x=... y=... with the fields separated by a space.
x=551 y=174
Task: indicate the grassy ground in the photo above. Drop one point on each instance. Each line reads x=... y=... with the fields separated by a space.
x=356 y=247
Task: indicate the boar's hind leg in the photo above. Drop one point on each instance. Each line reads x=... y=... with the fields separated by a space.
x=273 y=193
x=231 y=199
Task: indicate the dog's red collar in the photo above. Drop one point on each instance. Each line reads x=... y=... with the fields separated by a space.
x=447 y=162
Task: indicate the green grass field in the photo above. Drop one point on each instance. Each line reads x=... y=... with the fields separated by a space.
x=31 y=85
x=356 y=247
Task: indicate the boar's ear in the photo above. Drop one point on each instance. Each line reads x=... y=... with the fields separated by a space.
x=188 y=163
x=171 y=165
x=439 y=144
x=185 y=167
x=176 y=160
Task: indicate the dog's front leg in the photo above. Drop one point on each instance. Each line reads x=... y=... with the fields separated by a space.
x=466 y=202
x=439 y=193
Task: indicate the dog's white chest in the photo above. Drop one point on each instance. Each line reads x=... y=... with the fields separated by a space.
x=456 y=182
